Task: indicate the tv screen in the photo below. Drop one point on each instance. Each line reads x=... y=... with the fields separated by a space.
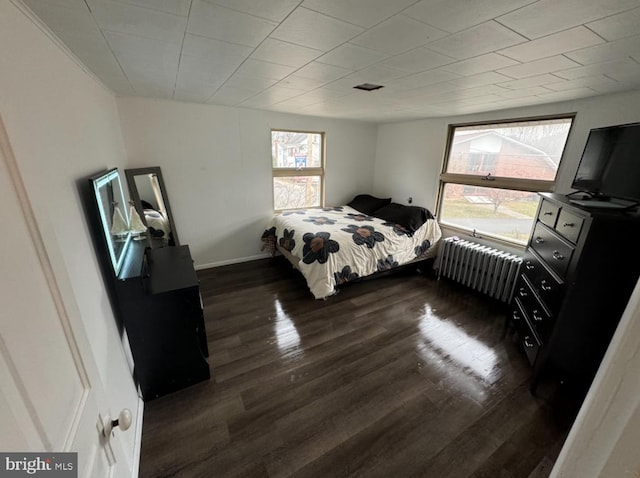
x=610 y=163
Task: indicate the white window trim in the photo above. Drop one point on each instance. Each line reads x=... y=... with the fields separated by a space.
x=294 y=172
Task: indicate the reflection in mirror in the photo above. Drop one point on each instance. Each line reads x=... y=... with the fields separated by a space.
x=113 y=215
x=149 y=194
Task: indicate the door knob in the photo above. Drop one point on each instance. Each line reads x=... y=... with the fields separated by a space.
x=123 y=421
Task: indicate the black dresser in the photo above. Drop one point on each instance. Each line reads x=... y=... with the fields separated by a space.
x=579 y=270
x=158 y=297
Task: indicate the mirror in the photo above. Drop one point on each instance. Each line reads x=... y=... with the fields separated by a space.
x=149 y=195
x=112 y=208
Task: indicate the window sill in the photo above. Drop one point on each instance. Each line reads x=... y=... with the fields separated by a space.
x=449 y=230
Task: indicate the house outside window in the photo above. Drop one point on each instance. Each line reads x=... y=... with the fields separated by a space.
x=298 y=169
x=492 y=173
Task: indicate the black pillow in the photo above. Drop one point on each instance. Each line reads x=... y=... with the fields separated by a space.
x=410 y=217
x=367 y=204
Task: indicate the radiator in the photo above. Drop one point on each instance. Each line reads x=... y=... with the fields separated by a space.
x=479 y=267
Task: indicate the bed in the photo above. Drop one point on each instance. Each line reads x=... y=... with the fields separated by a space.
x=336 y=245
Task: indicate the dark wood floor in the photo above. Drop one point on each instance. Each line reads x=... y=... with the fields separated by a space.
x=401 y=376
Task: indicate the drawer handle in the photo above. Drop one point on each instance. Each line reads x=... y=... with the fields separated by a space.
x=539 y=240
x=544 y=286
x=528 y=344
x=536 y=316
x=528 y=265
x=548 y=213
x=557 y=256
x=515 y=315
x=522 y=292
x=568 y=224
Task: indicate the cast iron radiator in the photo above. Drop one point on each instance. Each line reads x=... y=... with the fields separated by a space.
x=482 y=268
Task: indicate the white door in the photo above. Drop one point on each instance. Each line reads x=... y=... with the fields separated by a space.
x=51 y=395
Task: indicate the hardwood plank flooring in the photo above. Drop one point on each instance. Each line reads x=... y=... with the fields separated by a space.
x=401 y=376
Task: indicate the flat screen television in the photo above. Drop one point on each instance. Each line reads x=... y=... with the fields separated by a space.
x=610 y=165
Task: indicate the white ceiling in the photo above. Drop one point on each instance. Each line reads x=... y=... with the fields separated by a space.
x=434 y=57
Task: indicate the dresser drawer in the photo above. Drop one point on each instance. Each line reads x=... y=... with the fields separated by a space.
x=526 y=337
x=553 y=250
x=535 y=311
x=548 y=213
x=545 y=283
x=569 y=225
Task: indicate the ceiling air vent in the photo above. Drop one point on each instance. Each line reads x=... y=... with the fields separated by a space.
x=368 y=87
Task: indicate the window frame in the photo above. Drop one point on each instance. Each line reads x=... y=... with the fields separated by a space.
x=496 y=182
x=299 y=172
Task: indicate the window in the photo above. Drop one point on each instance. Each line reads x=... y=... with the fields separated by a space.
x=298 y=169
x=492 y=173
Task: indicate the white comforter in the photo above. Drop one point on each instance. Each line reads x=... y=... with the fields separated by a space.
x=338 y=245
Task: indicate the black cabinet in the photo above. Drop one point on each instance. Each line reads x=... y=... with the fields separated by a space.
x=158 y=297
x=579 y=270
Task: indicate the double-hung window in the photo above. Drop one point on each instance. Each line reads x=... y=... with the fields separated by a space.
x=493 y=171
x=298 y=169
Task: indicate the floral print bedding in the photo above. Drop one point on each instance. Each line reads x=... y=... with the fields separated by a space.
x=339 y=244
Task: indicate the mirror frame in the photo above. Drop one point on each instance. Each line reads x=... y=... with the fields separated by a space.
x=98 y=183
x=135 y=196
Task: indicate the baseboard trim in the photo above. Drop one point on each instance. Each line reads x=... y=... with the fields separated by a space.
x=232 y=261
x=137 y=444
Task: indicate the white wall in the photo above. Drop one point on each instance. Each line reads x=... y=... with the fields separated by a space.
x=63 y=126
x=216 y=164
x=417 y=148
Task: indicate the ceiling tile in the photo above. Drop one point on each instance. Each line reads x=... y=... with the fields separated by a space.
x=213 y=73
x=300 y=101
x=417 y=60
x=365 y=13
x=550 y=16
x=481 y=79
x=376 y=74
x=532 y=81
x=397 y=35
x=322 y=71
x=271 y=96
x=567 y=95
x=428 y=78
x=224 y=24
x=314 y=30
x=453 y=16
x=617 y=26
x=144 y=50
x=215 y=50
x=133 y=20
x=352 y=57
x=558 y=43
x=189 y=88
x=264 y=69
x=616 y=87
x=175 y=7
x=539 y=67
x=231 y=95
x=480 y=64
x=609 y=67
x=485 y=38
x=607 y=51
x=275 y=10
x=284 y=53
x=300 y=83
x=250 y=83
x=523 y=92
x=589 y=81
